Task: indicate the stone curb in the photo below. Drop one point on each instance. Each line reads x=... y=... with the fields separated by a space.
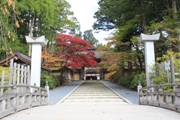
x=68 y=94
x=117 y=93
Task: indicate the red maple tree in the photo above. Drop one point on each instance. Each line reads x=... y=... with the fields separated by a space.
x=75 y=52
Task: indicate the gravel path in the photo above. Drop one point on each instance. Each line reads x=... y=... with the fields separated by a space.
x=57 y=94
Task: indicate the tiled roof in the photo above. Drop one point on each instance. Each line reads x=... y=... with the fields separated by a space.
x=99 y=54
x=19 y=58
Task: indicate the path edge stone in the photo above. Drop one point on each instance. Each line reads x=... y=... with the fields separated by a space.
x=117 y=93
x=68 y=94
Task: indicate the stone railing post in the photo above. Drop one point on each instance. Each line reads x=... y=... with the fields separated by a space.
x=47 y=88
x=160 y=90
x=177 y=97
x=139 y=92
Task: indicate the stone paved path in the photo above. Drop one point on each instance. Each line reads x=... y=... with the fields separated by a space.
x=92 y=100
x=92 y=92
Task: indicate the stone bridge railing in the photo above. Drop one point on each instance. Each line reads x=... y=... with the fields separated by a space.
x=16 y=93
x=14 y=98
x=166 y=96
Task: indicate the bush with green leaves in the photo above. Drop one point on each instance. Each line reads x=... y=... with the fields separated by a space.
x=122 y=80
x=51 y=79
x=126 y=80
x=138 y=77
x=161 y=79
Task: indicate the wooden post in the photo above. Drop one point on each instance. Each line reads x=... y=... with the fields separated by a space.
x=22 y=73
x=11 y=72
x=172 y=69
x=25 y=75
x=2 y=82
x=29 y=74
x=22 y=77
x=18 y=73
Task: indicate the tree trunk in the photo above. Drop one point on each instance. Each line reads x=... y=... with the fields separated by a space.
x=122 y=72
x=140 y=63
x=143 y=17
x=174 y=7
x=61 y=78
x=130 y=68
x=171 y=58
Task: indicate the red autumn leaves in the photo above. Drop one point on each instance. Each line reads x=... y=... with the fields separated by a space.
x=75 y=52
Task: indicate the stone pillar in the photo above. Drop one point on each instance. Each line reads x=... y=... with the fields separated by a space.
x=36 y=58
x=148 y=41
x=139 y=92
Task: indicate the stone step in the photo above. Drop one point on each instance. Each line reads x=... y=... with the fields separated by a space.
x=93 y=93
x=93 y=100
x=93 y=97
x=94 y=103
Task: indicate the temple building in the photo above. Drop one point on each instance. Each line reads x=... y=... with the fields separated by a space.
x=91 y=73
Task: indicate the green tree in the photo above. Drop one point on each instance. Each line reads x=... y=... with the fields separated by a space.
x=8 y=23
x=88 y=35
x=34 y=18
x=130 y=18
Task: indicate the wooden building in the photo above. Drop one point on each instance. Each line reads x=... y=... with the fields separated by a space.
x=20 y=58
x=81 y=74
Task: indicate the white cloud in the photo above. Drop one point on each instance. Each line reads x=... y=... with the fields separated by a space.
x=84 y=11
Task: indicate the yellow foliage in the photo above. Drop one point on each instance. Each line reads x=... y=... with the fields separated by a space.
x=103 y=48
x=3 y=48
x=10 y=2
x=9 y=34
x=17 y=24
x=10 y=51
x=6 y=70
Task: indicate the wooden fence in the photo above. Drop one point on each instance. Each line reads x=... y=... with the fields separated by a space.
x=166 y=96
x=17 y=94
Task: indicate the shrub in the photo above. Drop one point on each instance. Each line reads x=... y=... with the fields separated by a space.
x=114 y=78
x=161 y=79
x=122 y=80
x=51 y=79
x=126 y=80
x=138 y=77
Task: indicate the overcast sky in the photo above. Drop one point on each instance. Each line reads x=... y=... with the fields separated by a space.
x=84 y=11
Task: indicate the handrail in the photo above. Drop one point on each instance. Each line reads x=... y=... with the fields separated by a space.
x=165 y=96
x=14 y=98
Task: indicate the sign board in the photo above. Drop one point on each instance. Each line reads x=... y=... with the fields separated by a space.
x=167 y=65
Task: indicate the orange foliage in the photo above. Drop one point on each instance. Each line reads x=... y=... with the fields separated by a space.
x=50 y=60
x=110 y=74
